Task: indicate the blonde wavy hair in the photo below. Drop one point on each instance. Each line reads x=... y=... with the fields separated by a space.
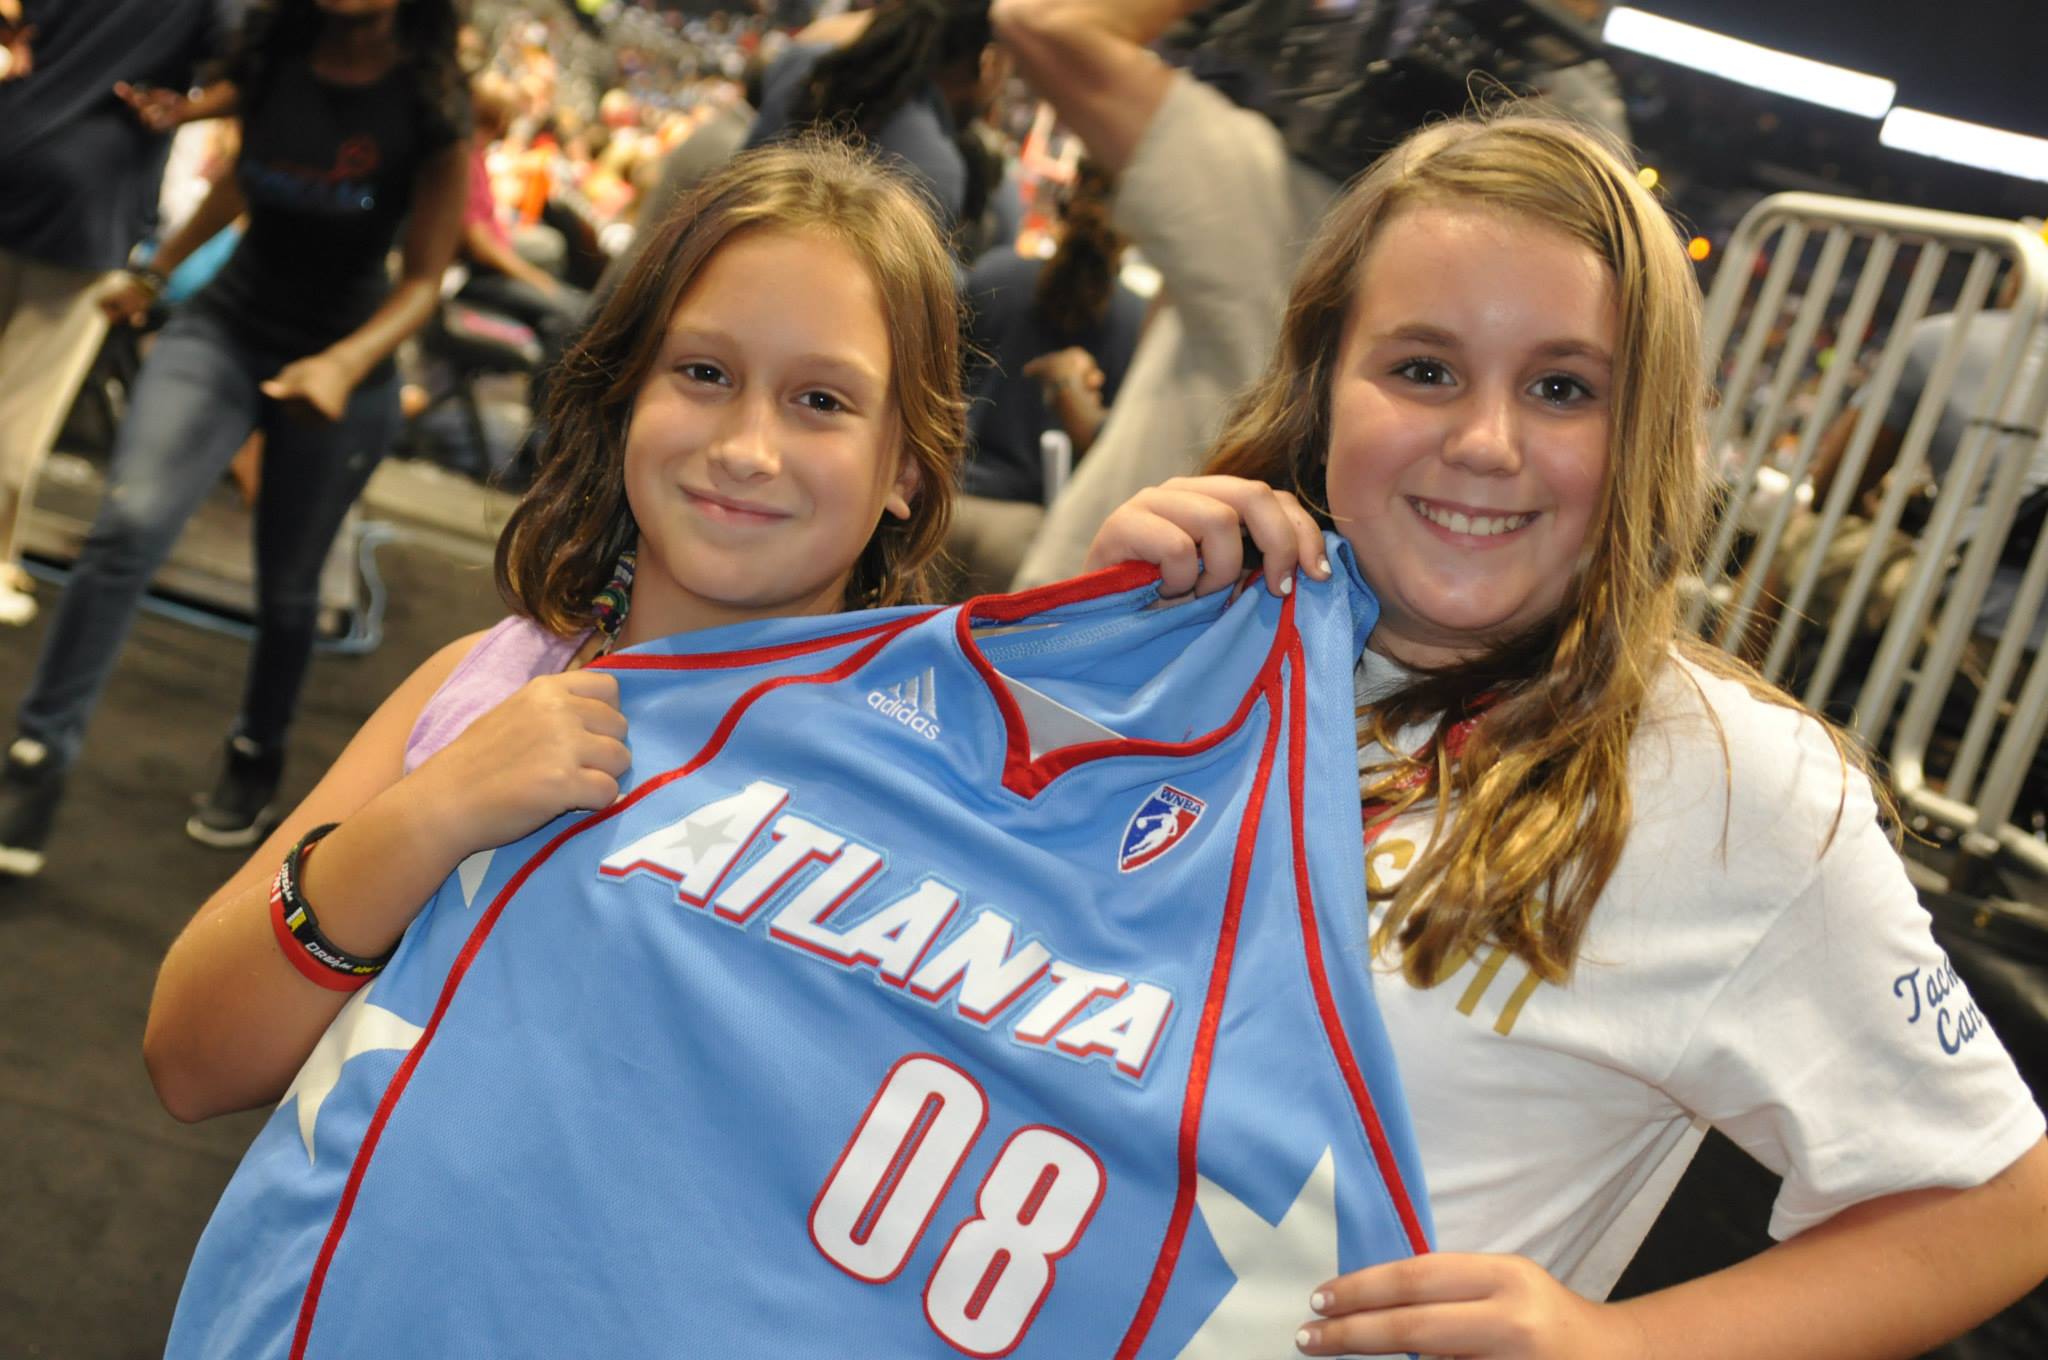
x=1541 y=783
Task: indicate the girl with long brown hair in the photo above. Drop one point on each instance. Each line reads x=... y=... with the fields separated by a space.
x=763 y=421
x=1622 y=887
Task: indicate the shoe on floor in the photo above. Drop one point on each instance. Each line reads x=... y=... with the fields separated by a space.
x=30 y=785
x=238 y=812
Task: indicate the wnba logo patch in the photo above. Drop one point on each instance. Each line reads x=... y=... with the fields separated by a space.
x=1157 y=826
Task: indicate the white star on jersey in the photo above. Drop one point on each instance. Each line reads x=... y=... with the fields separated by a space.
x=1278 y=1265
x=470 y=873
x=359 y=1028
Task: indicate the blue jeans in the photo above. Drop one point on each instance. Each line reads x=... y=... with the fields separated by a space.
x=194 y=402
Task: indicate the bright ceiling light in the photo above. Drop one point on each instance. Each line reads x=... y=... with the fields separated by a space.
x=1952 y=139
x=1732 y=59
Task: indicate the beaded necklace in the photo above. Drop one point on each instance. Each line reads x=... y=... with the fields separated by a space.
x=608 y=606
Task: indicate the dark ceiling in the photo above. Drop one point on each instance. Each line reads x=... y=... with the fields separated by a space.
x=1723 y=143
x=1984 y=60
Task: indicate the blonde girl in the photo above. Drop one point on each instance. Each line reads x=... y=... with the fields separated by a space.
x=1622 y=888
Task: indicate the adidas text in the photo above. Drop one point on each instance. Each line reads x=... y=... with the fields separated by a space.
x=905 y=713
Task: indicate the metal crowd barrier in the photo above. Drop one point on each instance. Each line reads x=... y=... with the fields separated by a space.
x=1799 y=269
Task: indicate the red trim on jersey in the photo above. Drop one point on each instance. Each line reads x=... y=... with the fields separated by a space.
x=755 y=656
x=309 y=1305
x=1319 y=982
x=1212 y=1017
x=1028 y=777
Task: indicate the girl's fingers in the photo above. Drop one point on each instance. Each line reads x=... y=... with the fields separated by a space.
x=1436 y=1329
x=1212 y=516
x=612 y=758
x=1285 y=534
x=1135 y=534
x=1266 y=521
x=589 y=684
x=599 y=718
x=1438 y=1277
x=1178 y=557
x=594 y=789
x=1310 y=535
x=1217 y=531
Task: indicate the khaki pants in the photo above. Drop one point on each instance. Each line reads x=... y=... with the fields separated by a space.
x=50 y=329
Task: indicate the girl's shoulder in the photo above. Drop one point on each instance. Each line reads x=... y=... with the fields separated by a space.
x=1741 y=768
x=496 y=662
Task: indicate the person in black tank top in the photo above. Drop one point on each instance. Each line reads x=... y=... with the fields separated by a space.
x=354 y=119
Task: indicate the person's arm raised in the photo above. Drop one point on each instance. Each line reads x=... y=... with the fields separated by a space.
x=1889 y=1277
x=232 y=1018
x=1090 y=58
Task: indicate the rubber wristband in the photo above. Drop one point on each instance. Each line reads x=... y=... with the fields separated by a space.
x=298 y=932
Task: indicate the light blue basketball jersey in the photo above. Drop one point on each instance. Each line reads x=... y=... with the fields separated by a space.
x=984 y=981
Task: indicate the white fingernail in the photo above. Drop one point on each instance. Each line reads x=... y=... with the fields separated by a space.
x=1320 y=1300
x=1301 y=1339
x=1323 y=565
x=1287 y=585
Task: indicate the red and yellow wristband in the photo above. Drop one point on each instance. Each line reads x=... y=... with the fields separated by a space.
x=316 y=957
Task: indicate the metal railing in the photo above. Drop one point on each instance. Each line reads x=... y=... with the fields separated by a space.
x=1806 y=284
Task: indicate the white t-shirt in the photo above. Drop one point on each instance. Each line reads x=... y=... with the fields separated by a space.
x=1741 y=969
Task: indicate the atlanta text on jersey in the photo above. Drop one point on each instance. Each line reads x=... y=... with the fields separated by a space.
x=735 y=856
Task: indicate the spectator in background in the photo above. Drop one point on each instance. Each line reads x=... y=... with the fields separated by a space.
x=1051 y=340
x=1209 y=195
x=500 y=279
x=908 y=75
x=79 y=174
x=718 y=128
x=707 y=131
x=1979 y=347
x=355 y=122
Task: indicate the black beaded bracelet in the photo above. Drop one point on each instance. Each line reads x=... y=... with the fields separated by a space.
x=299 y=934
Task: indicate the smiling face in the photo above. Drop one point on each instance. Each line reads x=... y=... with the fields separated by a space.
x=1469 y=418
x=764 y=445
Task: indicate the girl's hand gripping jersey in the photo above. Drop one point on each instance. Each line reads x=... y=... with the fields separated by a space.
x=986 y=981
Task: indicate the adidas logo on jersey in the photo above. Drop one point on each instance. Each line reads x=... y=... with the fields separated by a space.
x=913 y=702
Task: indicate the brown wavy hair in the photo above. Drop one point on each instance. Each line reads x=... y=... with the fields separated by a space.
x=562 y=540
x=1541 y=784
